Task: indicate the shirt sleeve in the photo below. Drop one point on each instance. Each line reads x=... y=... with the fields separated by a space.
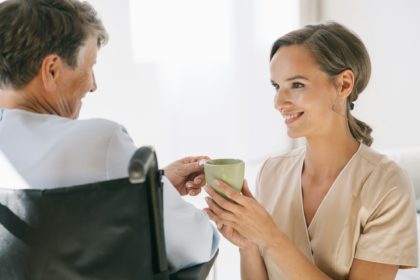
x=390 y=233
x=189 y=236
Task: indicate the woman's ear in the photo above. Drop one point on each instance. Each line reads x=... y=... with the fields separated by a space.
x=345 y=81
x=51 y=68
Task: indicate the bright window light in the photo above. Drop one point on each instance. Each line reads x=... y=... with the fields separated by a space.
x=274 y=18
x=178 y=31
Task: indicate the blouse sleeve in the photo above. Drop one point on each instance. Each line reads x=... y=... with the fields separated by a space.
x=389 y=233
x=258 y=181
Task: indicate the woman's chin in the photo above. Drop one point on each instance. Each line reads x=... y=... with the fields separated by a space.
x=294 y=134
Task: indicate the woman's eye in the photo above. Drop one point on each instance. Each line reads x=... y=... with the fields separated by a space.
x=276 y=86
x=297 y=85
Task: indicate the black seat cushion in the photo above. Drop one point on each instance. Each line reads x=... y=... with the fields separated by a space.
x=95 y=231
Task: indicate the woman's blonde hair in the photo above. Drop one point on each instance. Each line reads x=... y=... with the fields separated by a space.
x=336 y=49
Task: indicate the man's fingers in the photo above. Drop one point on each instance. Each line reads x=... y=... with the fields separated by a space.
x=194 y=192
x=194 y=186
x=195 y=180
x=194 y=159
x=192 y=167
x=200 y=180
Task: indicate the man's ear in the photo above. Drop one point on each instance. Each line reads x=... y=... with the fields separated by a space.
x=345 y=82
x=50 y=71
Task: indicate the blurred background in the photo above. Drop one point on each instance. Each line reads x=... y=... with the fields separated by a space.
x=190 y=77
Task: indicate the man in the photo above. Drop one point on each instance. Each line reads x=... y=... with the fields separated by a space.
x=47 y=51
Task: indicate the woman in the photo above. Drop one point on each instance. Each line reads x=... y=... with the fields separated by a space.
x=334 y=208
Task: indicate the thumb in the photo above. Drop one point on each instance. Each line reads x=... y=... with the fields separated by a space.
x=246 y=191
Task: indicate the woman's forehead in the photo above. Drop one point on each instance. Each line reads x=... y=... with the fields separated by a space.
x=292 y=61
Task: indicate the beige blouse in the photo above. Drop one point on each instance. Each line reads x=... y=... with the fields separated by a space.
x=368 y=213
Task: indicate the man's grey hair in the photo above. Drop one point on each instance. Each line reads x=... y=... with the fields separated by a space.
x=30 y=30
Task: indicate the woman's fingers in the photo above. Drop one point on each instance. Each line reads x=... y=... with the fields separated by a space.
x=246 y=191
x=220 y=212
x=230 y=192
x=250 y=222
x=221 y=201
x=225 y=228
x=216 y=219
x=212 y=216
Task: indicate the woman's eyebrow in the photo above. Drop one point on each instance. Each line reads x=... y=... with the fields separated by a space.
x=297 y=77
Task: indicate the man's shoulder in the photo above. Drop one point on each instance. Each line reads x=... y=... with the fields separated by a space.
x=94 y=133
x=95 y=125
x=44 y=123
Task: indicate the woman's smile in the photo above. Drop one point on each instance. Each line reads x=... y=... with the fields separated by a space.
x=292 y=117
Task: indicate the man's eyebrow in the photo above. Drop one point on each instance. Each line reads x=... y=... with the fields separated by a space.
x=297 y=77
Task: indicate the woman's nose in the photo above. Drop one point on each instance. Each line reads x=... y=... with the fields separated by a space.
x=279 y=99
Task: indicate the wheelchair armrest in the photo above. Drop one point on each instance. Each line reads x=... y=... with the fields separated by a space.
x=196 y=272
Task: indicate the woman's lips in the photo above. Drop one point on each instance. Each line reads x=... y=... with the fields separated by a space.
x=291 y=118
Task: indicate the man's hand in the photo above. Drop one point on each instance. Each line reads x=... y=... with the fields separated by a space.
x=187 y=175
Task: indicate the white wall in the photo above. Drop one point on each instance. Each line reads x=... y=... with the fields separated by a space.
x=390 y=29
x=390 y=104
x=192 y=77
x=189 y=103
x=184 y=101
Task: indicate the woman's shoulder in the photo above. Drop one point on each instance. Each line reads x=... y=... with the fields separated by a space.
x=286 y=158
x=282 y=163
x=386 y=174
x=276 y=172
x=380 y=163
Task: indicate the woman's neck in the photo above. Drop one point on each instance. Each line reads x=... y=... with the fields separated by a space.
x=325 y=158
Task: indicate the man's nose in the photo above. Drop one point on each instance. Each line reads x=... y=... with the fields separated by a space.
x=93 y=86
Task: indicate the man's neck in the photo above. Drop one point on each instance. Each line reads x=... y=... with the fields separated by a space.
x=28 y=99
x=9 y=98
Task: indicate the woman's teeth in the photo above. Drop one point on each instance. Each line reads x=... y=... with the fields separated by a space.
x=287 y=117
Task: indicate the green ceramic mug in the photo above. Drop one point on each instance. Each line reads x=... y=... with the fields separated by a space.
x=230 y=171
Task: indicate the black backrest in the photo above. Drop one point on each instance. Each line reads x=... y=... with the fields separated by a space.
x=106 y=230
